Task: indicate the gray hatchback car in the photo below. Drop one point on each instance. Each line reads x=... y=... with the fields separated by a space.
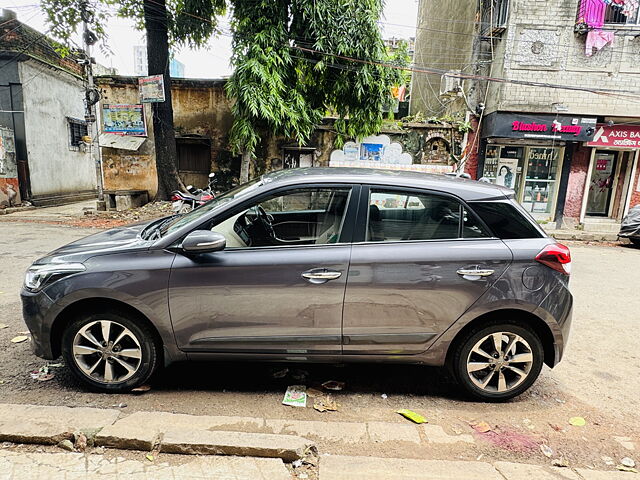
x=314 y=265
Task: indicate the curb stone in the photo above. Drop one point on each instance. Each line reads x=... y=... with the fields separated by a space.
x=50 y=425
x=189 y=434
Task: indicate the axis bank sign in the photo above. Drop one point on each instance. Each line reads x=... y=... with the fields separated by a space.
x=617 y=136
x=554 y=127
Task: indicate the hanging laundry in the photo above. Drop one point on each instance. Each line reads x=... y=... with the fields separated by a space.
x=592 y=13
x=630 y=9
x=598 y=39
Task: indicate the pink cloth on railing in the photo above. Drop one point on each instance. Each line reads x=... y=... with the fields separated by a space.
x=598 y=39
x=592 y=12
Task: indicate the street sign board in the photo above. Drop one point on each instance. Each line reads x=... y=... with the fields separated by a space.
x=151 y=89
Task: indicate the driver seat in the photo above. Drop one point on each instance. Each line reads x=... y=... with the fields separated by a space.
x=329 y=229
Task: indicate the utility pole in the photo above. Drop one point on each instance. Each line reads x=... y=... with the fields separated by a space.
x=92 y=96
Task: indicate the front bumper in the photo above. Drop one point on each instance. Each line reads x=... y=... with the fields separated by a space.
x=35 y=312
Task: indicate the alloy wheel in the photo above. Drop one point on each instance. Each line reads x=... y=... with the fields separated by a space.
x=499 y=362
x=107 y=352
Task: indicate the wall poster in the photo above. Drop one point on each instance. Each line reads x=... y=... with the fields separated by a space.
x=123 y=119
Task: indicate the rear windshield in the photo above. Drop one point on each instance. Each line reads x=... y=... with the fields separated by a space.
x=505 y=220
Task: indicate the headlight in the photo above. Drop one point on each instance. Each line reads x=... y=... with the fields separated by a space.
x=38 y=275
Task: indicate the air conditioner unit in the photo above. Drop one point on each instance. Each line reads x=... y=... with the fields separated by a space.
x=450 y=86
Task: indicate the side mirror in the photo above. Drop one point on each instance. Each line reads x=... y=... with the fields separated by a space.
x=204 y=241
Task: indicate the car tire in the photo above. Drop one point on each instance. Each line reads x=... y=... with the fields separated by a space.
x=635 y=241
x=512 y=372
x=125 y=361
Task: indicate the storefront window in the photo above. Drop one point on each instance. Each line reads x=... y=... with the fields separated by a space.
x=532 y=172
x=503 y=166
x=541 y=177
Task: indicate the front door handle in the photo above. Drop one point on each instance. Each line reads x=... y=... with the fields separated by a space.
x=475 y=272
x=319 y=275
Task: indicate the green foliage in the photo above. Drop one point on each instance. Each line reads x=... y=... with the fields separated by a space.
x=400 y=57
x=189 y=22
x=282 y=89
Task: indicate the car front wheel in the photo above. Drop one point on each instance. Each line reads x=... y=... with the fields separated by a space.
x=110 y=352
x=498 y=362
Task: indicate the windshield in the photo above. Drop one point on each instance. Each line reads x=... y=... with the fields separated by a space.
x=210 y=206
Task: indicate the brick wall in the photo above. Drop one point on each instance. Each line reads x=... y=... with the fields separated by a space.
x=540 y=45
x=577 y=182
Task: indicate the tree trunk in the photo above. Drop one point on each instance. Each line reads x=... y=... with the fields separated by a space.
x=244 y=166
x=155 y=19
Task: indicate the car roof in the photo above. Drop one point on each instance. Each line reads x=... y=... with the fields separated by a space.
x=468 y=190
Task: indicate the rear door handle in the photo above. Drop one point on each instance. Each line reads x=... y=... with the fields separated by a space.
x=321 y=275
x=475 y=272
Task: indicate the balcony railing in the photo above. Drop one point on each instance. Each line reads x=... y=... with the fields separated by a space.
x=615 y=14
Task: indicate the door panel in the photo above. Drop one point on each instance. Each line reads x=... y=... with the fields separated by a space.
x=400 y=295
x=256 y=300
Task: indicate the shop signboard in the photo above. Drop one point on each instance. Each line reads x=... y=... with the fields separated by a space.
x=151 y=89
x=616 y=136
x=123 y=119
x=539 y=127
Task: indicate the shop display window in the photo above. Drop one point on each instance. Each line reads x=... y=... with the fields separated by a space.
x=541 y=178
x=533 y=172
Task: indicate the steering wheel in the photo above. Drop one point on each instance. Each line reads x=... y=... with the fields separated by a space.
x=264 y=222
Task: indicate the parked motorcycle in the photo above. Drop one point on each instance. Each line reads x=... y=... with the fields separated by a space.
x=184 y=202
x=630 y=227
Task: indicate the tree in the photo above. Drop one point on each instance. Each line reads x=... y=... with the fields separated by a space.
x=178 y=22
x=292 y=65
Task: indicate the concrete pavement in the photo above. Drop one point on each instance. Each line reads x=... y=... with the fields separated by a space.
x=166 y=434
x=20 y=465
x=372 y=468
x=77 y=466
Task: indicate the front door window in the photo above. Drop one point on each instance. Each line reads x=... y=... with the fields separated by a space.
x=308 y=216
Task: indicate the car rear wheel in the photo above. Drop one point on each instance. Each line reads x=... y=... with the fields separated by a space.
x=110 y=352
x=498 y=362
x=635 y=241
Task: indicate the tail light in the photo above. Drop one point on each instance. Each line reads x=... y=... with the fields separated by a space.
x=556 y=256
x=175 y=198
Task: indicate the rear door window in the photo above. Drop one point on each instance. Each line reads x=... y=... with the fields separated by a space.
x=396 y=215
x=505 y=220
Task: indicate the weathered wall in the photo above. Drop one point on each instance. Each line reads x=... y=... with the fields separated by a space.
x=427 y=144
x=444 y=41
x=541 y=46
x=50 y=96
x=199 y=108
x=126 y=169
x=635 y=190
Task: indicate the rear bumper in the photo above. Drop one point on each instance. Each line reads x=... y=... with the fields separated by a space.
x=557 y=311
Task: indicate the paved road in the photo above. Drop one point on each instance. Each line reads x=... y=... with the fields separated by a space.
x=597 y=380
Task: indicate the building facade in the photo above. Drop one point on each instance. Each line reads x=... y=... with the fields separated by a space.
x=140 y=64
x=46 y=156
x=203 y=119
x=559 y=120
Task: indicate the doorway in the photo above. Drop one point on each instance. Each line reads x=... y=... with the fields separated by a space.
x=298 y=158
x=609 y=183
x=601 y=183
